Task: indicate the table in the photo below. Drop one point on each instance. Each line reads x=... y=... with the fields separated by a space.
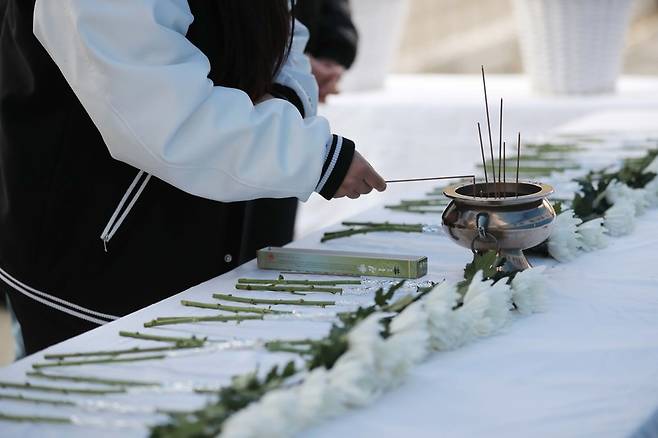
x=588 y=366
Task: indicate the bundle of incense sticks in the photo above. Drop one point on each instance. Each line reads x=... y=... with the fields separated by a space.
x=499 y=181
x=499 y=184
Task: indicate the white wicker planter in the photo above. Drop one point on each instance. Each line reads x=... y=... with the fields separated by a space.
x=380 y=24
x=572 y=46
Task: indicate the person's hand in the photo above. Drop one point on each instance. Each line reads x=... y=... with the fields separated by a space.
x=360 y=179
x=327 y=73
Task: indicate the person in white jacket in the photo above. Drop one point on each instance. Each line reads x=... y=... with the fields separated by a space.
x=148 y=123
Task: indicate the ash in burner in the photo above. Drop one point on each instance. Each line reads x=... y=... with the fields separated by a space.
x=499 y=190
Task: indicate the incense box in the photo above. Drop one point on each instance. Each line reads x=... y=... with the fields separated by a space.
x=318 y=261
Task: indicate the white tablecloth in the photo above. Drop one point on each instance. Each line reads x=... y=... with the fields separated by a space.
x=588 y=366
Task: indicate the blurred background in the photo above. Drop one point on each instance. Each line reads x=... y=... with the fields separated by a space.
x=457 y=36
x=450 y=36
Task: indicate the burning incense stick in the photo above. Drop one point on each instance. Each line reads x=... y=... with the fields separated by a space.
x=504 y=169
x=486 y=104
x=518 y=160
x=484 y=162
x=500 y=145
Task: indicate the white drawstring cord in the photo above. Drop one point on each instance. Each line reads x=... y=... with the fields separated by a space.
x=112 y=226
x=34 y=294
x=109 y=231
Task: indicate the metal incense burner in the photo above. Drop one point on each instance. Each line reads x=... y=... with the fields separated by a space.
x=507 y=217
x=500 y=221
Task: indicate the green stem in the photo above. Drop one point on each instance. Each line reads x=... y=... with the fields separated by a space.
x=400 y=304
x=135 y=350
x=383 y=224
x=59 y=389
x=365 y=230
x=425 y=202
x=82 y=379
x=280 y=348
x=234 y=309
x=412 y=209
x=292 y=346
x=543 y=170
x=62 y=363
x=273 y=288
x=300 y=302
x=195 y=319
x=304 y=282
x=298 y=341
x=549 y=147
x=22 y=398
x=34 y=419
x=176 y=340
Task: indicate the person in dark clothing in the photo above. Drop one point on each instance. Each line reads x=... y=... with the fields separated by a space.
x=333 y=42
x=134 y=134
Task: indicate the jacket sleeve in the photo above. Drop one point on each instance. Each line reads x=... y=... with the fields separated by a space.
x=296 y=72
x=146 y=88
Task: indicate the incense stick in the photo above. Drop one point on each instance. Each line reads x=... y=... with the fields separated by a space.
x=486 y=104
x=484 y=161
x=504 y=169
x=500 y=145
x=518 y=160
x=428 y=179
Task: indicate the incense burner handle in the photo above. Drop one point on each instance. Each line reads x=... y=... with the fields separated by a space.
x=482 y=225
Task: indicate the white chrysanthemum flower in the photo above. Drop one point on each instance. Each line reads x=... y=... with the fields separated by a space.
x=317 y=399
x=593 y=235
x=564 y=243
x=447 y=329
x=652 y=167
x=355 y=380
x=651 y=190
x=408 y=344
x=354 y=376
x=273 y=415
x=619 y=219
x=491 y=302
x=528 y=290
x=618 y=191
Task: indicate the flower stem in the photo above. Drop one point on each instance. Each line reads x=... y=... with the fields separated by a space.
x=82 y=379
x=194 y=319
x=282 y=348
x=412 y=209
x=295 y=346
x=372 y=229
x=61 y=363
x=399 y=304
x=47 y=401
x=234 y=309
x=304 y=282
x=59 y=389
x=34 y=419
x=135 y=350
x=176 y=340
x=300 y=302
x=273 y=288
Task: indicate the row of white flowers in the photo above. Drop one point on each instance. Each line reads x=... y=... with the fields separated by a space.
x=373 y=365
x=571 y=236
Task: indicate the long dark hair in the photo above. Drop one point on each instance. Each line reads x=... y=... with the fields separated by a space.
x=247 y=41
